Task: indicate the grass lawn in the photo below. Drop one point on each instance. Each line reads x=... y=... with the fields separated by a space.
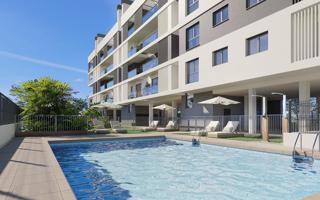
x=136 y=131
x=255 y=138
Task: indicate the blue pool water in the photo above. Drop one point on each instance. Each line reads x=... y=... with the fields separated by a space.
x=160 y=169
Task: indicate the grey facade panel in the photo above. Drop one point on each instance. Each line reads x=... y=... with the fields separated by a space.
x=126 y=115
x=163 y=50
x=162 y=3
x=138 y=18
x=239 y=16
x=125 y=72
x=198 y=110
x=125 y=31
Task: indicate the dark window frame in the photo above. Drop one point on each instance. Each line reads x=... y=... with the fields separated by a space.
x=218 y=11
x=248 y=53
x=188 y=10
x=214 y=56
x=187 y=38
x=188 y=74
x=256 y=4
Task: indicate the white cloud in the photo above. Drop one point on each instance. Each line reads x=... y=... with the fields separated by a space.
x=41 y=62
x=78 y=80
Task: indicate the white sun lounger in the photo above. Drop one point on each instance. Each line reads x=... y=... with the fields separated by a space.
x=230 y=130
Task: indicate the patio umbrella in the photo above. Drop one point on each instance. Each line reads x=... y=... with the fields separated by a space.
x=164 y=107
x=219 y=100
x=107 y=105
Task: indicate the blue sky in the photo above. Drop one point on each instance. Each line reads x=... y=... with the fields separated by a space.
x=50 y=38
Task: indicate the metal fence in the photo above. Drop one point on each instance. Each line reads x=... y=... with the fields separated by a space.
x=8 y=110
x=52 y=123
x=199 y=122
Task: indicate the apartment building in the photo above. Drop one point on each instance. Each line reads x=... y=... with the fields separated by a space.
x=182 y=52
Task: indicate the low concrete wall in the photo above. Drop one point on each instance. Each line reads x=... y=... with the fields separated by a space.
x=7 y=132
x=307 y=140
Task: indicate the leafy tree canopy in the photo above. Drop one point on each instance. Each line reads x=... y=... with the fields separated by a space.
x=46 y=96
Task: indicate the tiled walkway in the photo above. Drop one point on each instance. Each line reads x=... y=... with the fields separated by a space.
x=29 y=170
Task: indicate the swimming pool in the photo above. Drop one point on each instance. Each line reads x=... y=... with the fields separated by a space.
x=166 y=169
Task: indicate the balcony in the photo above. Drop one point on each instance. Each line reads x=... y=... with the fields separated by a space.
x=149 y=14
x=135 y=94
x=150 y=39
x=150 y=64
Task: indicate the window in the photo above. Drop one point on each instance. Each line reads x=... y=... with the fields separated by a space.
x=193 y=36
x=220 y=56
x=251 y=3
x=257 y=44
x=189 y=100
x=192 y=71
x=192 y=5
x=220 y=16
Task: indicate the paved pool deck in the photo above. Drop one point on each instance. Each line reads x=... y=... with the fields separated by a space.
x=30 y=171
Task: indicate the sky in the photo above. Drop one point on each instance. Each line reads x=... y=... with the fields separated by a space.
x=50 y=38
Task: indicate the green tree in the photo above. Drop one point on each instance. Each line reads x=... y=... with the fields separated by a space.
x=46 y=96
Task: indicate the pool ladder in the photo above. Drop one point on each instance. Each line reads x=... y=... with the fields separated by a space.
x=305 y=158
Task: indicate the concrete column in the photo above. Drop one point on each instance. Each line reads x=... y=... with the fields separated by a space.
x=252 y=100
x=115 y=115
x=304 y=110
x=246 y=111
x=174 y=111
x=150 y=113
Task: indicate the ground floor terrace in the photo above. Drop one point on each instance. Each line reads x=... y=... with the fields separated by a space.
x=30 y=170
x=282 y=99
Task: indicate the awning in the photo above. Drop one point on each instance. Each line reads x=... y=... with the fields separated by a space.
x=219 y=100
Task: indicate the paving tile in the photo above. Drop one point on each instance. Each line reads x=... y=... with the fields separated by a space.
x=36 y=189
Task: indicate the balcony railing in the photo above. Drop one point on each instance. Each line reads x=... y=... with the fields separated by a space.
x=150 y=90
x=150 y=39
x=150 y=64
x=135 y=94
x=132 y=73
x=149 y=14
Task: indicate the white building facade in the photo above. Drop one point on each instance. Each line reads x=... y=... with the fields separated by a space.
x=182 y=52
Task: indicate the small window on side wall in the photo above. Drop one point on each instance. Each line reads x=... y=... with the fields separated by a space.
x=252 y=3
x=257 y=44
x=193 y=36
x=220 y=16
x=220 y=56
x=192 y=5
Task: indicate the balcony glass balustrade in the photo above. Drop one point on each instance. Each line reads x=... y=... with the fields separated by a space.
x=132 y=73
x=150 y=64
x=106 y=70
x=149 y=14
x=131 y=30
x=150 y=39
x=106 y=85
x=109 y=51
x=150 y=90
x=132 y=51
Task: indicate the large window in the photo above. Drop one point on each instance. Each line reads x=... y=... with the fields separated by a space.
x=193 y=36
x=192 y=71
x=258 y=43
x=251 y=3
x=192 y=5
x=220 y=16
x=220 y=56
